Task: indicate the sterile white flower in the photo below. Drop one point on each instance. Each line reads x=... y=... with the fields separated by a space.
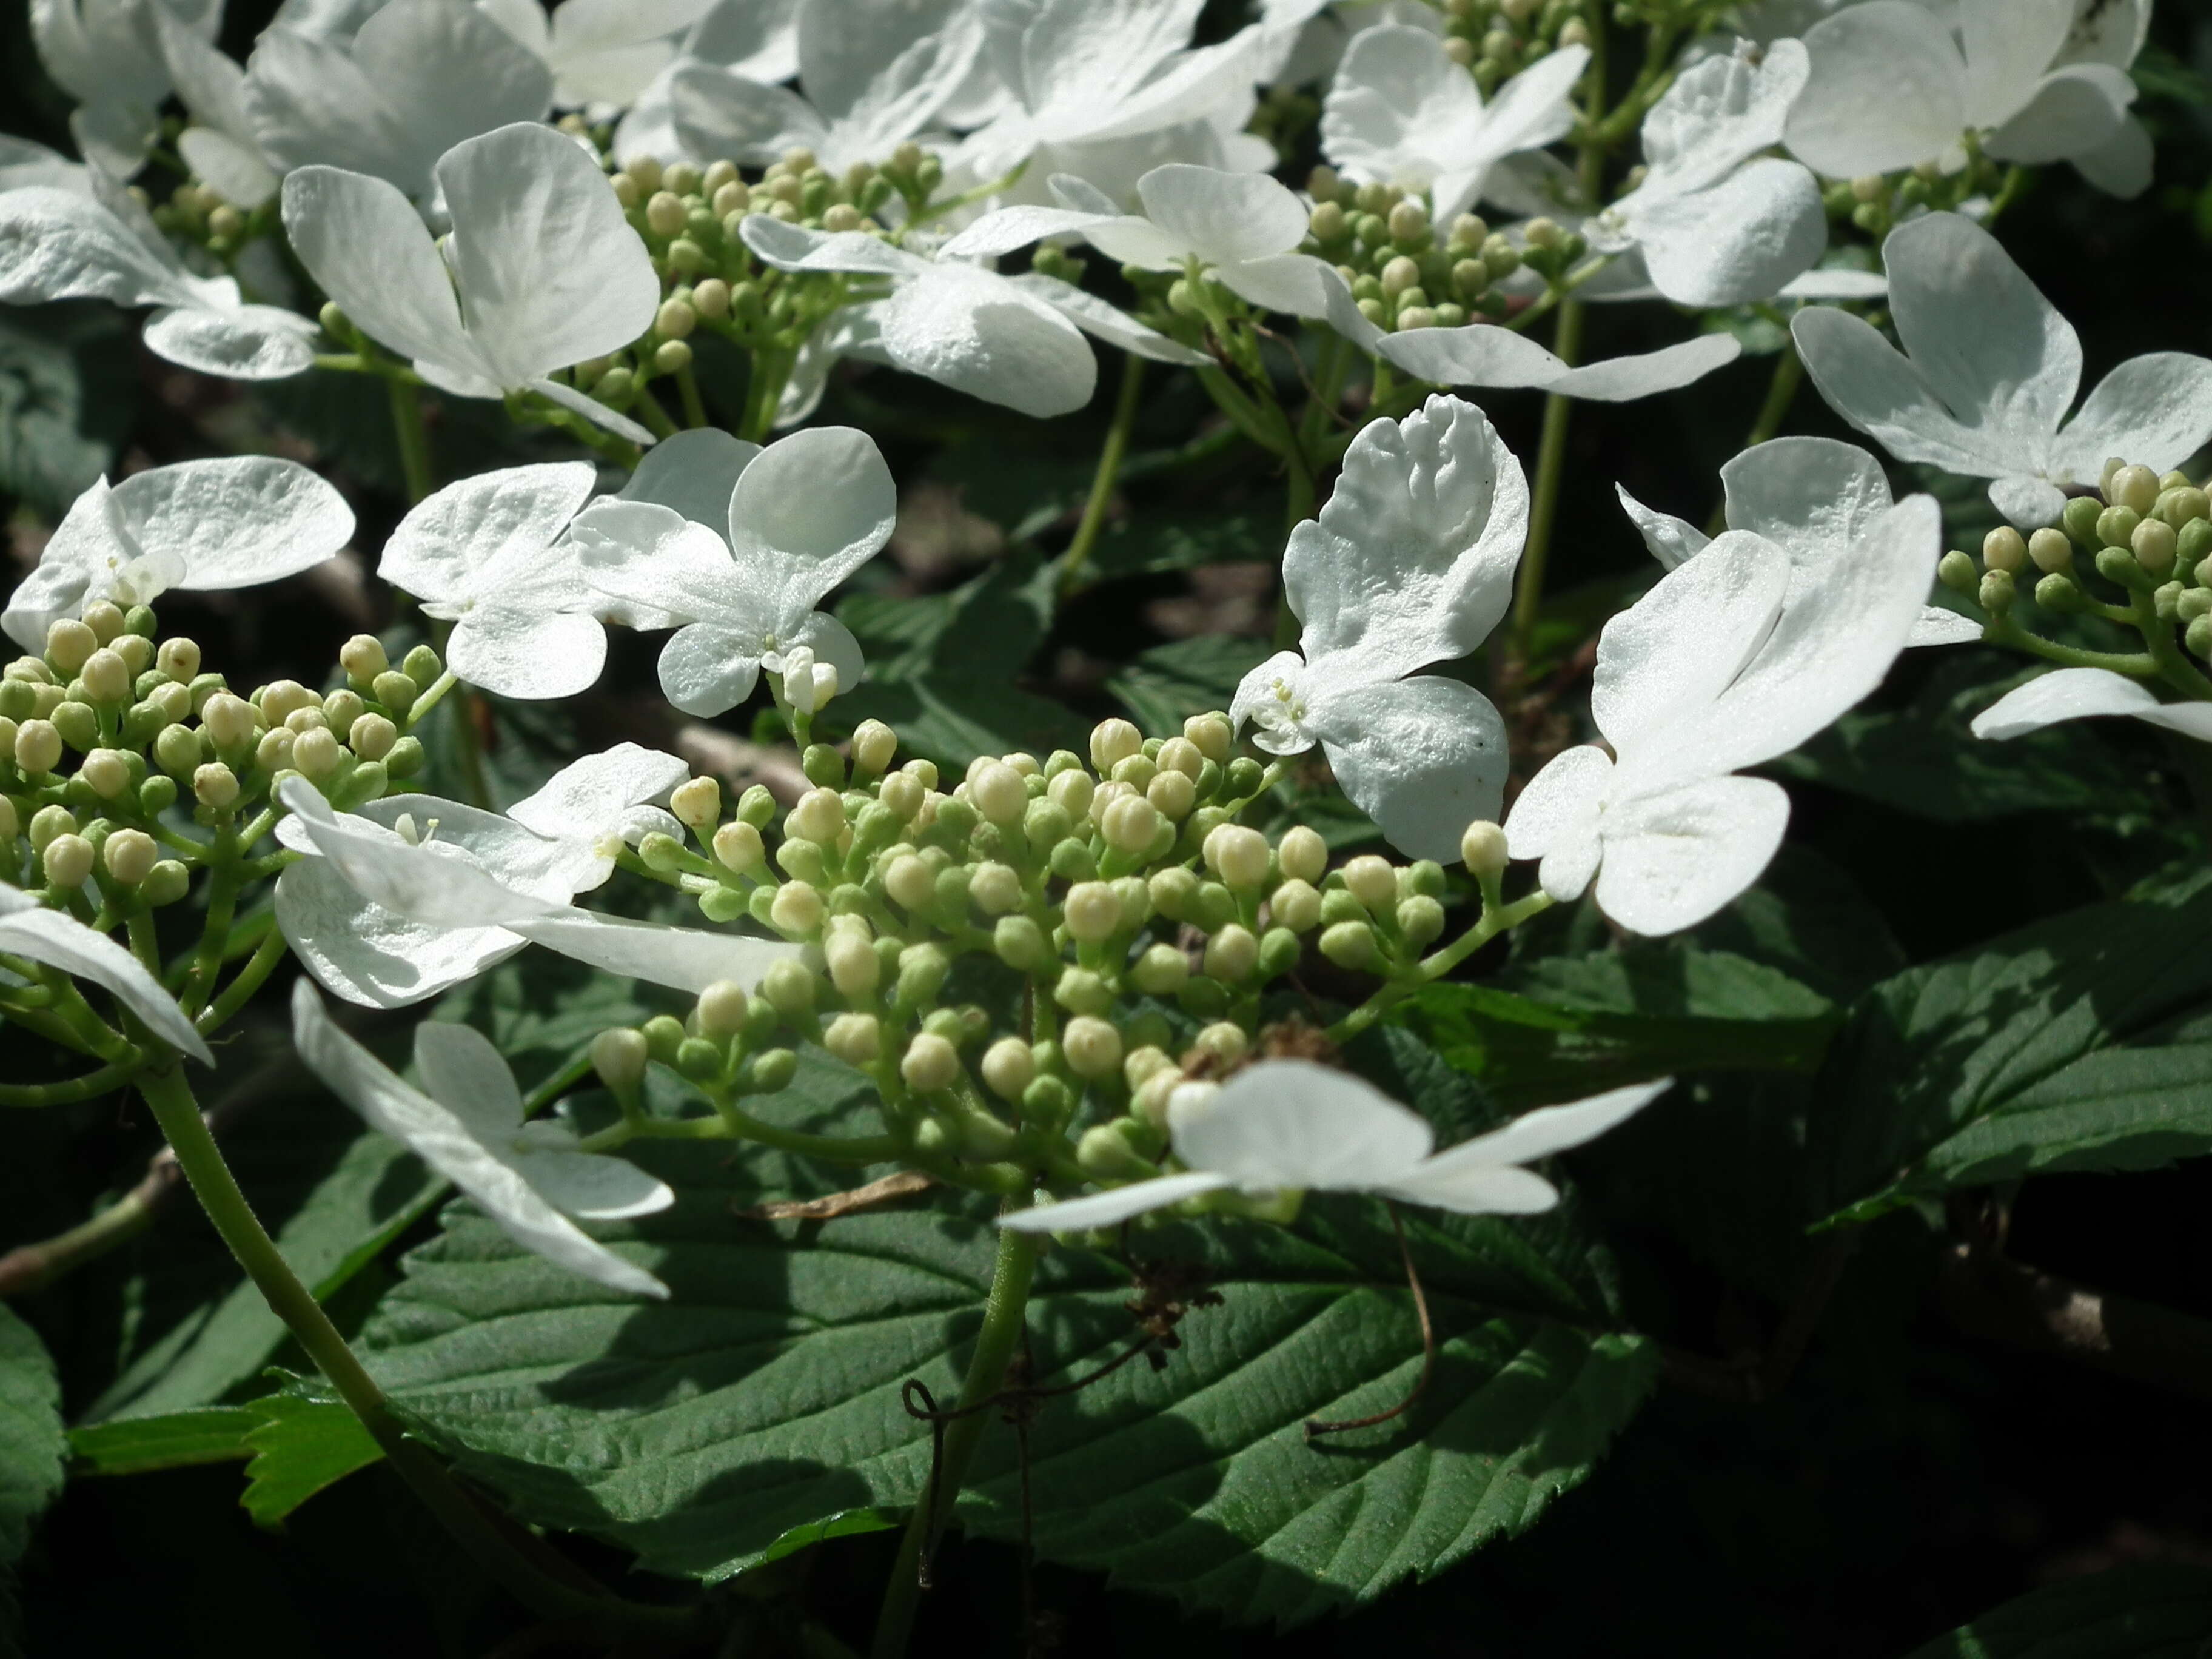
x=219 y=143
x=1012 y=340
x=802 y=516
x=23 y=162
x=1401 y=111
x=2073 y=694
x=602 y=53
x=58 y=243
x=1893 y=87
x=1990 y=371
x=421 y=76
x=1739 y=654
x=1289 y=1126
x=465 y=1122
x=489 y=555
x=1812 y=496
x=541 y=270
x=1411 y=563
x=757 y=39
x=867 y=82
x=31 y=932
x=413 y=895
x=108 y=56
x=199 y=526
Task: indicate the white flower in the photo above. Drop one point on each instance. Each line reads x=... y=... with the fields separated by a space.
x=1015 y=341
x=602 y=53
x=198 y=526
x=541 y=270
x=421 y=76
x=1106 y=90
x=1891 y=88
x=32 y=933
x=801 y=517
x=413 y=895
x=23 y=162
x=1410 y=563
x=465 y=1122
x=757 y=39
x=56 y=243
x=870 y=81
x=2073 y=694
x=490 y=555
x=1485 y=355
x=1990 y=372
x=1401 y=113
x=220 y=145
x=108 y=56
x=1814 y=497
x=1737 y=655
x=1289 y=1126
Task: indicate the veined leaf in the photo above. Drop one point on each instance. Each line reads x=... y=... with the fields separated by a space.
x=303 y=1439
x=1164 y=687
x=141 y=1445
x=2145 y=1610
x=32 y=1443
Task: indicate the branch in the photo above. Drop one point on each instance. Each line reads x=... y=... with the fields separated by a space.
x=1985 y=1293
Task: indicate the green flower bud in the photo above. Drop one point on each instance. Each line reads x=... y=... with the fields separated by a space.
x=699 y=1060
x=2060 y=595
x=165 y=882
x=1351 y=945
x=1996 y=591
x=2193 y=602
x=1021 y=945
x=930 y=1064
x=1956 y=571
x=405 y=758
x=1296 y=905
x=18 y=700
x=856 y=1039
x=1232 y=954
x=790 y=989
x=803 y=862
x=422 y=664
x=771 y=1072
x=78 y=723
x=396 y=691
x=157 y=795
x=2116 y=564
x=1204 y=998
x=1160 y=971
x=1092 y=1047
x=1082 y=992
x=2116 y=525
x=1008 y=1068
x=1105 y=1154
x=2184 y=506
x=1174 y=893
x=1420 y=920
x=1216 y=907
x=2199 y=637
x=2155 y=546
x=662 y=852
x=2079 y=517
x=362 y=657
x=2135 y=487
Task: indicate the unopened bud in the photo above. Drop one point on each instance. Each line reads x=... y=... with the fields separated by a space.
x=106 y=679
x=1351 y=945
x=2155 y=546
x=1483 y=847
x=875 y=745
x=789 y=989
x=1161 y=971
x=1092 y=910
x=108 y=771
x=738 y=847
x=1237 y=854
x=165 y=882
x=38 y=746
x=995 y=889
x=2080 y=518
x=1231 y=955
x=1093 y=1048
x=69 y=644
x=998 y=792
x=129 y=856
x=1295 y=905
x=362 y=657
x=67 y=861
x=2133 y=487
x=930 y=1064
x=1131 y=823
x=215 y=785
x=1112 y=742
x=316 y=752
x=2004 y=549
x=910 y=882
x=1021 y=945
x=854 y=968
x=697 y=803
x=2051 y=552
x=619 y=1057
x=856 y=1039
x=797 y=909
x=1071 y=792
x=1420 y=920
x=1008 y=1067
x=2116 y=525
x=1372 y=881
x=228 y=720
x=371 y=737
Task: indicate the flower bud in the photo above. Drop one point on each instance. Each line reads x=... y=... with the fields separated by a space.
x=105 y=619
x=67 y=861
x=106 y=680
x=789 y=989
x=2080 y=518
x=797 y=909
x=1112 y=742
x=1021 y=945
x=2155 y=546
x=38 y=746
x=1231 y=955
x=697 y=803
x=77 y=723
x=2136 y=488
x=1302 y=856
x=1483 y=847
x=49 y=821
x=1351 y=945
x=2004 y=549
x=2184 y=505
x=901 y=795
x=130 y=855
x=165 y=882
x=1174 y=893
x=2061 y=595
x=2051 y=552
x=1008 y=1067
x=316 y=752
x=1420 y=920
x=1172 y=794
x=1082 y=992
x=1957 y=572
x=1130 y=823
x=1093 y=1048
x=1222 y=1043
x=854 y=968
x=665 y=212
x=738 y=847
x=1295 y=905
x=1237 y=854
x=856 y=1039
x=179 y=658
x=995 y=889
x=1092 y=910
x=1161 y=971
x=619 y=1057
x=108 y=771
x=930 y=1064
x=2116 y=525
x=1071 y=792
x=818 y=817
x=1280 y=950
x=1105 y=1154
x=911 y=883
x=215 y=785
x=998 y=792
x=1372 y=881
x=69 y=645
x=396 y=690
x=363 y=659
x=922 y=970
x=228 y=720
x=1212 y=735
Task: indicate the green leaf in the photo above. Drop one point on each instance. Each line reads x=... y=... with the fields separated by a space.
x=66 y=395
x=1165 y=686
x=140 y=1445
x=32 y=1443
x=764 y=1397
x=2144 y=1610
x=1150 y=543
x=304 y=1440
x=2079 y=1043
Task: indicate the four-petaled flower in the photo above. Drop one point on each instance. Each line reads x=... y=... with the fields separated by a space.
x=2074 y=694
x=601 y=53
x=30 y=932
x=107 y=54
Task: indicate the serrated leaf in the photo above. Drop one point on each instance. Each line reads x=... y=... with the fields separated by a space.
x=764 y=1397
x=1165 y=686
x=176 y=1440
x=32 y=1443
x=303 y=1441
x=2081 y=1042
x=1149 y=544
x=2144 y=1610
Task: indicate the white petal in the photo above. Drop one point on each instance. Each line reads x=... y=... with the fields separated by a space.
x=718 y=113
x=578 y=403
x=593 y=1186
x=1424 y=758
x=235 y=522
x=1291 y=1124
x=884 y=83
x=526 y=653
x=979 y=333
x=707 y=670
x=436 y=882
x=2122 y=165
x=1228 y=217
x=1940 y=626
x=436 y=1135
x=551 y=272
x=1478 y=354
x=2156 y=410
x=448 y=73
x=2027 y=502
x=1397 y=99
x=1623 y=380
x=368 y=955
x=643 y=553
x=1008 y=229
x=2075 y=112
x=462 y=1072
x=1669 y=539
x=444 y=546
x=234 y=171
x=1740 y=240
x=2069 y=694
x=590 y=798
x=693 y=472
x=250 y=342
x=1107 y=321
x=1663 y=662
x=29 y=929
x=1111 y=1209
x=1887 y=89
x=683 y=958
x=1835 y=283
x=1560 y=805
x=1554 y=1128
x=795 y=247
x=58 y=244
x=1720 y=113
x=810 y=511
x=311 y=106
x=1883 y=394
x=1812 y=496
x=362 y=242
x=1475 y=1189
x=2009 y=44
x=759 y=38
x=1673 y=860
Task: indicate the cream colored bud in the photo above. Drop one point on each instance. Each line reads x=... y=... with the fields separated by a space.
x=1237 y=854
x=1173 y=794
x=1232 y=954
x=998 y=792
x=129 y=856
x=1302 y=856
x=1022 y=762
x=923 y=769
x=738 y=847
x=371 y=737
x=901 y=795
x=105 y=619
x=69 y=644
x=663 y=212
x=856 y=1039
x=11 y=825
x=854 y=968
x=1008 y=1067
x=1136 y=771
x=1296 y=905
x=279 y=697
x=362 y=657
x=930 y=1064
x=1092 y=1047
x=273 y=753
x=1131 y=823
x=180 y=658
x=711 y=299
x=341 y=708
x=106 y=678
x=2004 y=549
x=67 y=861
x=317 y=753
x=306 y=720
x=819 y=817
x=875 y=745
x=1180 y=755
x=1093 y=911
x=1483 y=847
x=1071 y=791
x=2051 y=551
x=2134 y=487
x=171 y=701
x=697 y=803
x=1161 y=971
x=1223 y=1043
x=228 y=720
x=1212 y=736
x=137 y=652
x=619 y=1056
x=108 y=771
x=1140 y=1064
x=1104 y=796
x=1112 y=742
x=38 y=746
x=996 y=888
x=797 y=909
x=722 y=1009
x=1373 y=882
x=909 y=882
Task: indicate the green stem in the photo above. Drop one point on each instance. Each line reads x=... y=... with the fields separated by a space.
x=244 y=983
x=687 y=388
x=1495 y=919
x=2176 y=670
x=651 y=415
x=1551 y=473
x=90 y=1086
x=1102 y=482
x=995 y=1343
x=1781 y=392
x=2003 y=631
x=414 y=441
x=476 y=1530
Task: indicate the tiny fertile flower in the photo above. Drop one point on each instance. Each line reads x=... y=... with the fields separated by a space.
x=58 y=243
x=421 y=76
x=1410 y=563
x=32 y=933
x=1989 y=371
x=541 y=270
x=465 y=1122
x=869 y=81
x=107 y=54
x=1891 y=88
x=198 y=526
x=1289 y=1126
x=802 y=516
x=2073 y=694
x=1737 y=655
x=602 y=52
x=1401 y=111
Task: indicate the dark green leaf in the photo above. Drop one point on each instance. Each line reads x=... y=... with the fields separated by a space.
x=1165 y=686
x=2082 y=1043
x=2144 y=1610
x=303 y=1440
x=140 y=1445
x=67 y=388
x=1149 y=544
x=32 y=1443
